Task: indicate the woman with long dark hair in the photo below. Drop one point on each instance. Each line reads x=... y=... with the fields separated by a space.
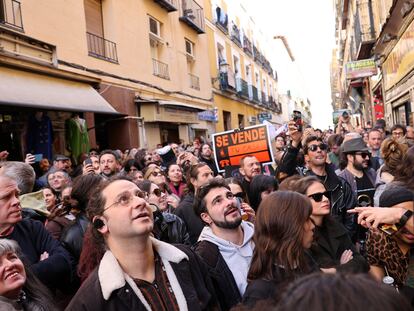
x=332 y=248
x=283 y=234
x=19 y=287
x=260 y=187
x=175 y=180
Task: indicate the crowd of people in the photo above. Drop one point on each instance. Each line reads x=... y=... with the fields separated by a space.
x=328 y=226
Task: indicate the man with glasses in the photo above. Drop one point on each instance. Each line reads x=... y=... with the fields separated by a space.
x=226 y=243
x=398 y=131
x=315 y=154
x=137 y=271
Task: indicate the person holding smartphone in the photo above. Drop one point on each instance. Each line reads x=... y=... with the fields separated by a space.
x=389 y=247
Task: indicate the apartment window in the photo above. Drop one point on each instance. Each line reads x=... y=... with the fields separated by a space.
x=227 y=120
x=98 y=45
x=220 y=54
x=154 y=26
x=11 y=14
x=189 y=49
x=240 y=119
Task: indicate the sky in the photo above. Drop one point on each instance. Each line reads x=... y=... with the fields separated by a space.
x=309 y=27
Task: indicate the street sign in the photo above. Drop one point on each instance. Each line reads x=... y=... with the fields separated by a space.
x=230 y=146
x=360 y=69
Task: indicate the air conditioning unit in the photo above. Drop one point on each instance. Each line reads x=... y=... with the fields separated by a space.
x=252 y=119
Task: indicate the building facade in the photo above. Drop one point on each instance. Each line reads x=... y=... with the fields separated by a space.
x=244 y=82
x=382 y=31
x=136 y=71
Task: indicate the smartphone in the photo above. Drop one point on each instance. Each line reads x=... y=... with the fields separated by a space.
x=297 y=117
x=38 y=157
x=88 y=161
x=244 y=215
x=388 y=229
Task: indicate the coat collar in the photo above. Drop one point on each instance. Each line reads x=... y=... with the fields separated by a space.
x=112 y=277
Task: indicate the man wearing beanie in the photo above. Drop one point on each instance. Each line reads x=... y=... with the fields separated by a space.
x=389 y=247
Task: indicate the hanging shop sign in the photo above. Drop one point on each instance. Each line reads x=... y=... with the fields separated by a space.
x=360 y=69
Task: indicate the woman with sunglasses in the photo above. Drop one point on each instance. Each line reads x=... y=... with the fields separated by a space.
x=332 y=248
x=175 y=177
x=154 y=174
x=167 y=227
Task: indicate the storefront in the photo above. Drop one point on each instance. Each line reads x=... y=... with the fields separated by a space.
x=171 y=121
x=398 y=80
x=26 y=96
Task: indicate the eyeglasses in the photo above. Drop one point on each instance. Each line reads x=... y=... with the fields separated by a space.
x=363 y=154
x=317 y=197
x=125 y=198
x=156 y=173
x=314 y=147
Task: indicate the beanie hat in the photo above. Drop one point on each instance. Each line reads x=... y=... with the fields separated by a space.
x=395 y=194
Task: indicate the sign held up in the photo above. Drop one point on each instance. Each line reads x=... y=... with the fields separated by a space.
x=230 y=146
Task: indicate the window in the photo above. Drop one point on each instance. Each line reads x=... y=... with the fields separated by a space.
x=189 y=50
x=154 y=26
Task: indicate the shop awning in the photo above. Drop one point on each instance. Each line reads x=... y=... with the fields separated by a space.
x=27 y=89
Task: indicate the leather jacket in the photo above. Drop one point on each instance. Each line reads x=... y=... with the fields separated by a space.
x=170 y=228
x=72 y=237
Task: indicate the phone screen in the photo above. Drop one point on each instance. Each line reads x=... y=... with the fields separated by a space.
x=38 y=157
x=297 y=117
x=88 y=161
x=388 y=229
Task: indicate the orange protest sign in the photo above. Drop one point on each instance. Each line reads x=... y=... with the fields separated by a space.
x=230 y=146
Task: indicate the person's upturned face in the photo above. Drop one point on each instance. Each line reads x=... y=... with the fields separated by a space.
x=174 y=148
x=280 y=142
x=127 y=214
x=108 y=164
x=205 y=174
x=375 y=140
x=222 y=211
x=50 y=198
x=250 y=168
x=57 y=180
x=206 y=151
x=12 y=275
x=10 y=209
x=175 y=174
x=63 y=165
x=322 y=207
x=157 y=176
x=317 y=157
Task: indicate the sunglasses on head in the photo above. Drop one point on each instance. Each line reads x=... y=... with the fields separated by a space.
x=363 y=154
x=315 y=147
x=317 y=197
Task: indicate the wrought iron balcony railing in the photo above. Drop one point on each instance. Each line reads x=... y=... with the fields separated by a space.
x=247 y=46
x=193 y=15
x=160 y=69
x=235 y=35
x=222 y=20
x=11 y=14
x=256 y=98
x=194 y=81
x=242 y=88
x=101 y=48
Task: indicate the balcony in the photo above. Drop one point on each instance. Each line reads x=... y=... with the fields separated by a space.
x=101 y=48
x=193 y=15
x=160 y=69
x=194 y=81
x=255 y=95
x=264 y=98
x=242 y=88
x=257 y=55
x=227 y=82
x=364 y=30
x=247 y=46
x=168 y=5
x=235 y=35
x=222 y=20
x=11 y=14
